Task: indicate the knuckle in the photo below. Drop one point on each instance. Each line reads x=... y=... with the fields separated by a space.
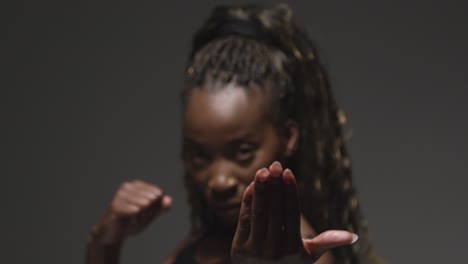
x=125 y=185
x=138 y=209
x=154 y=186
x=158 y=193
x=139 y=182
x=142 y=202
x=244 y=221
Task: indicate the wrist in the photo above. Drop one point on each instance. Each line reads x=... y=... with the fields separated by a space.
x=101 y=251
x=99 y=238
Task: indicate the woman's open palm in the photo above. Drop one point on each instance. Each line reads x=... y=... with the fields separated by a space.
x=268 y=229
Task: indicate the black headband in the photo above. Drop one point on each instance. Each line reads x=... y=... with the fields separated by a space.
x=243 y=28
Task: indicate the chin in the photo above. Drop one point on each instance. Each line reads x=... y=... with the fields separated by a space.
x=228 y=218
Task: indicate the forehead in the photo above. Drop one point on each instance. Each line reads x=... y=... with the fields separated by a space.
x=225 y=111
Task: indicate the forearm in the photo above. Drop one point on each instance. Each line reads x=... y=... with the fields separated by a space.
x=99 y=252
x=102 y=254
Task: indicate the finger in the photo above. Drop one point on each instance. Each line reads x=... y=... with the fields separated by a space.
x=276 y=217
x=156 y=206
x=146 y=216
x=154 y=209
x=146 y=188
x=161 y=205
x=134 y=198
x=328 y=240
x=259 y=207
x=143 y=194
x=243 y=223
x=276 y=169
x=134 y=189
x=166 y=203
x=122 y=207
x=146 y=185
x=292 y=211
x=133 y=202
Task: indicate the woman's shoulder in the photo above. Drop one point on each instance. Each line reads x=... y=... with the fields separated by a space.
x=183 y=253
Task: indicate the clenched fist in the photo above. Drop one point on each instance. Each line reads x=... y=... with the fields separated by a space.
x=133 y=207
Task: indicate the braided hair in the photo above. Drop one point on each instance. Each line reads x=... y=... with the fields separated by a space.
x=252 y=44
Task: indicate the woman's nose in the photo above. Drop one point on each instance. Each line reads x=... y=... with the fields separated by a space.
x=223 y=186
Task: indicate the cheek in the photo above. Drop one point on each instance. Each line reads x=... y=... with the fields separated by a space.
x=263 y=159
x=196 y=181
x=270 y=151
x=248 y=175
x=198 y=186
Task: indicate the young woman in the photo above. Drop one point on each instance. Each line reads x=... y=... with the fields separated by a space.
x=267 y=172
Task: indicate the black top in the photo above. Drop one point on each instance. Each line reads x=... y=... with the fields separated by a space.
x=186 y=255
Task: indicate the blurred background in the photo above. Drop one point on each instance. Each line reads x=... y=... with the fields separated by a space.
x=90 y=97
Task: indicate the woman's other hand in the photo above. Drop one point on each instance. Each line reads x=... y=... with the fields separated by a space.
x=134 y=206
x=268 y=229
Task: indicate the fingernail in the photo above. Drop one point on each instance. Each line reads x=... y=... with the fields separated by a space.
x=262 y=175
x=247 y=189
x=355 y=238
x=168 y=200
x=277 y=165
x=276 y=169
x=288 y=176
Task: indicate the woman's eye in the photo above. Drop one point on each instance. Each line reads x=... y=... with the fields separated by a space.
x=200 y=160
x=197 y=159
x=245 y=153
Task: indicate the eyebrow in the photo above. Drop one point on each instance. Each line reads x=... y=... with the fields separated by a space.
x=236 y=140
x=241 y=138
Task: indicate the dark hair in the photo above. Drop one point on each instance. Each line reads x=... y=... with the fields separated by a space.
x=254 y=44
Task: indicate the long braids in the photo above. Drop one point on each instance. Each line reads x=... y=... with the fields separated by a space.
x=253 y=44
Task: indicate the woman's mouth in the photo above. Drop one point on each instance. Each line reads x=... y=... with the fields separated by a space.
x=228 y=209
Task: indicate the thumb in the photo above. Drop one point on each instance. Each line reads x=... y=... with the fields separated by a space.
x=159 y=207
x=166 y=203
x=328 y=240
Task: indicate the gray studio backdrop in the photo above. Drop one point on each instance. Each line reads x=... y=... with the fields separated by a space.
x=93 y=100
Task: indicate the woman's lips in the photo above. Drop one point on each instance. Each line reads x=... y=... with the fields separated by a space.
x=228 y=206
x=228 y=209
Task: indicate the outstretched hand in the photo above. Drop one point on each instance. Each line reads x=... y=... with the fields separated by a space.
x=268 y=229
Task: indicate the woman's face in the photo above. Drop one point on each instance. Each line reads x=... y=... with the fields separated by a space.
x=228 y=136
